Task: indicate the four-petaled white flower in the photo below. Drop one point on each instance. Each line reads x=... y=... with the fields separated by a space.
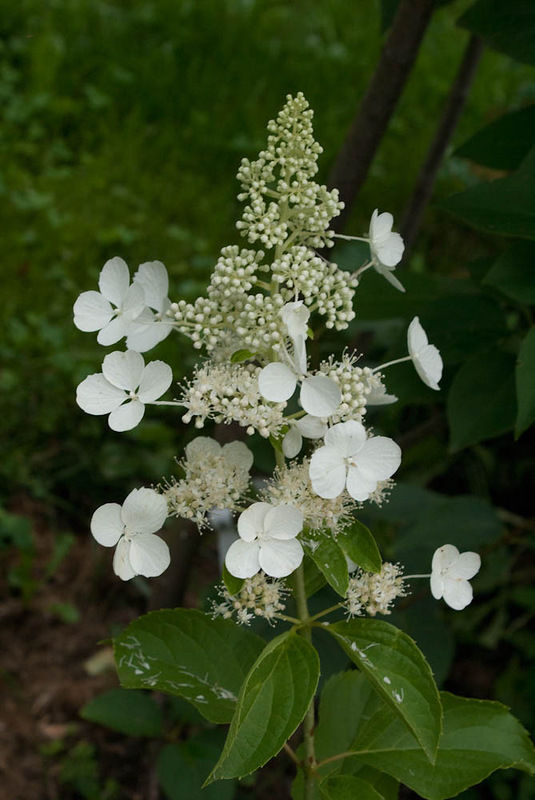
x=267 y=541
x=349 y=459
x=123 y=388
x=111 y=311
x=425 y=357
x=386 y=247
x=308 y=427
x=132 y=527
x=450 y=573
x=151 y=326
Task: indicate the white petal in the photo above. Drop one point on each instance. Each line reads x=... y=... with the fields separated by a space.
x=299 y=355
x=428 y=364
x=444 y=557
x=295 y=316
x=346 y=437
x=153 y=279
x=149 y=555
x=144 y=511
x=379 y=457
x=114 y=280
x=239 y=455
x=126 y=416
x=107 y=525
x=96 y=395
x=416 y=337
x=437 y=585
x=360 y=485
x=143 y=337
x=466 y=566
x=279 y=558
x=320 y=396
x=380 y=226
x=242 y=559
x=251 y=521
x=92 y=311
x=311 y=427
x=458 y=593
x=277 y=382
x=379 y=397
x=202 y=447
x=113 y=331
x=292 y=442
x=156 y=379
x=328 y=472
x=123 y=370
x=133 y=302
x=390 y=252
x=121 y=561
x=283 y=522
x=388 y=273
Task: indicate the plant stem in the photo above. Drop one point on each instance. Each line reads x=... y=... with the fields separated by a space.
x=309 y=721
x=327 y=611
x=390 y=363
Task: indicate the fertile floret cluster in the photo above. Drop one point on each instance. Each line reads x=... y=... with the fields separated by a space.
x=259 y=596
x=374 y=593
x=354 y=383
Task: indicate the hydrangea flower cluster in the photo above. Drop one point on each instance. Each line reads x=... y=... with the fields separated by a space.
x=261 y=308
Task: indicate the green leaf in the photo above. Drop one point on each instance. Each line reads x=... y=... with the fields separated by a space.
x=186 y=653
x=504 y=143
x=273 y=701
x=506 y=26
x=525 y=383
x=331 y=561
x=505 y=206
x=314 y=578
x=398 y=671
x=232 y=584
x=479 y=737
x=481 y=403
x=182 y=767
x=130 y=712
x=359 y=545
x=241 y=355
x=514 y=273
x=347 y=787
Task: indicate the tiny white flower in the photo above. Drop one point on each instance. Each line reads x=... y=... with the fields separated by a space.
x=267 y=541
x=386 y=246
x=112 y=310
x=425 y=357
x=151 y=326
x=349 y=459
x=308 y=427
x=450 y=573
x=132 y=527
x=123 y=388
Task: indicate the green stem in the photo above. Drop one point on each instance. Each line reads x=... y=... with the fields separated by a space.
x=309 y=764
x=327 y=611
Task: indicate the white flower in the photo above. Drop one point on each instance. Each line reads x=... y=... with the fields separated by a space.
x=379 y=397
x=151 y=327
x=295 y=316
x=123 y=388
x=131 y=527
x=309 y=427
x=386 y=247
x=425 y=357
x=450 y=573
x=350 y=459
x=112 y=310
x=267 y=541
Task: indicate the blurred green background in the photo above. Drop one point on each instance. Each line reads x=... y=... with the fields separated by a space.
x=123 y=124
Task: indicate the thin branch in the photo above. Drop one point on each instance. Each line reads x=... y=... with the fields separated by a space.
x=292 y=754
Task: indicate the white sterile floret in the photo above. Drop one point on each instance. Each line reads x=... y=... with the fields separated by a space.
x=450 y=573
x=267 y=541
x=132 y=527
x=386 y=247
x=123 y=388
x=308 y=427
x=295 y=317
x=151 y=326
x=349 y=459
x=425 y=357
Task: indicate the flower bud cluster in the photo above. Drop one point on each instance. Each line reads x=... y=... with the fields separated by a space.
x=283 y=199
x=229 y=393
x=259 y=596
x=374 y=593
x=323 y=286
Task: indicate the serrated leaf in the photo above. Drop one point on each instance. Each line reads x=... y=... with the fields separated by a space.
x=513 y=273
x=127 y=711
x=232 y=584
x=479 y=737
x=189 y=654
x=525 y=383
x=398 y=671
x=182 y=767
x=273 y=701
x=331 y=562
x=359 y=545
x=241 y=355
x=481 y=403
x=347 y=787
x=507 y=27
x=504 y=143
